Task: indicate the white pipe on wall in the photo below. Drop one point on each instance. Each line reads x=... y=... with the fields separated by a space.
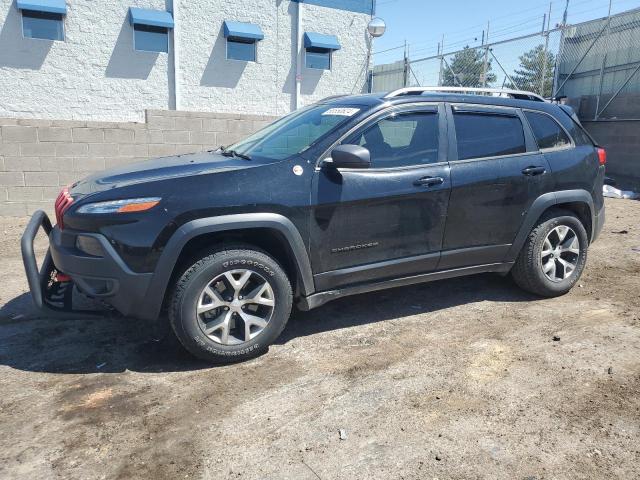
x=299 y=54
x=173 y=8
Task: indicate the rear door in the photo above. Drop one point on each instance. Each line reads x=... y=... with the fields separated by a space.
x=568 y=165
x=496 y=174
x=570 y=153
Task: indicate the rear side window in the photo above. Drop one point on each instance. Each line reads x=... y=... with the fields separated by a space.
x=482 y=135
x=547 y=131
x=401 y=140
x=579 y=136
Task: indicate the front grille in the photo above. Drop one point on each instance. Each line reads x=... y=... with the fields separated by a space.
x=63 y=202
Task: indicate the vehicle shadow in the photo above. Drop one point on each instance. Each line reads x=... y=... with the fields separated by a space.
x=65 y=345
x=33 y=341
x=403 y=302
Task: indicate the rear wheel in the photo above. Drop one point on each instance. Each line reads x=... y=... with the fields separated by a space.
x=230 y=305
x=554 y=255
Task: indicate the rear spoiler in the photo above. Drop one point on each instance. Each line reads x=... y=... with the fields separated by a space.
x=571 y=112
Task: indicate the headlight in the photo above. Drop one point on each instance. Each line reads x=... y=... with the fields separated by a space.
x=120 y=206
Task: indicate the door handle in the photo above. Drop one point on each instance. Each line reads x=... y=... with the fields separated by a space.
x=532 y=171
x=429 y=181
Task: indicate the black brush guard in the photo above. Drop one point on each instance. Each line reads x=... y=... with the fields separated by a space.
x=49 y=294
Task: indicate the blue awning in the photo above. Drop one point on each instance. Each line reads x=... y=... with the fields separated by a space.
x=247 y=31
x=318 y=40
x=154 y=18
x=48 y=6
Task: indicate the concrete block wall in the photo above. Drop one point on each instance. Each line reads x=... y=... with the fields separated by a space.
x=621 y=138
x=39 y=157
x=623 y=107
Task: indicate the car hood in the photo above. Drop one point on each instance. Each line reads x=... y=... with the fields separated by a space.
x=159 y=169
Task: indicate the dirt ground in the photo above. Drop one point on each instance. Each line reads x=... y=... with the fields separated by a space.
x=454 y=379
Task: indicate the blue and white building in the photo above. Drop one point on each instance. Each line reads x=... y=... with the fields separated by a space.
x=112 y=60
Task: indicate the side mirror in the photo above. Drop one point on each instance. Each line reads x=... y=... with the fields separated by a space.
x=350 y=156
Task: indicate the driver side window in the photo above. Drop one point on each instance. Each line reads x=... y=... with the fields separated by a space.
x=400 y=140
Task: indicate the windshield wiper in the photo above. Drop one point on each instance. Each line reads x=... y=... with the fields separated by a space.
x=233 y=153
x=244 y=156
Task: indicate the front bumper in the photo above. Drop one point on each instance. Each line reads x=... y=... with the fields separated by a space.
x=105 y=277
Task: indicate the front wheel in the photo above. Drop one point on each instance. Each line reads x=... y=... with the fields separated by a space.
x=230 y=305
x=554 y=255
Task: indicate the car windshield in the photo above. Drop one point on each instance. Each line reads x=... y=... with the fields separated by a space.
x=292 y=134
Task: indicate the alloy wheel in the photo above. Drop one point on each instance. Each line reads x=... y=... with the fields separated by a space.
x=235 y=307
x=560 y=253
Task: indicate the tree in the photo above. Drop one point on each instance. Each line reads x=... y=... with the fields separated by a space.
x=468 y=66
x=529 y=76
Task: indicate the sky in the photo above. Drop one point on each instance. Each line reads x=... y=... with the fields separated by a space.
x=423 y=22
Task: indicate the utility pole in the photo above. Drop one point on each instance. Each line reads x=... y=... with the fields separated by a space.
x=486 y=59
x=441 y=52
x=405 y=72
x=556 y=74
x=604 y=62
x=368 y=73
x=566 y=13
x=545 y=52
x=409 y=71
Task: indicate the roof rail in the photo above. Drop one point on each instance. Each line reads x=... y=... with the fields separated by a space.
x=495 y=92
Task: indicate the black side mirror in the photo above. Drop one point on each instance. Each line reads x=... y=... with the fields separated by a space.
x=350 y=156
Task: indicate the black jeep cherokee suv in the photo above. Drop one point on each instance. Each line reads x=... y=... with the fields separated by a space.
x=350 y=195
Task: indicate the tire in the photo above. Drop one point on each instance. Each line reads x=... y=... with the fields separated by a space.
x=227 y=328
x=534 y=259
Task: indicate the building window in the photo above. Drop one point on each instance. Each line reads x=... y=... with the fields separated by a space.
x=150 y=29
x=42 y=25
x=242 y=40
x=318 y=58
x=241 y=49
x=319 y=50
x=147 y=38
x=43 y=19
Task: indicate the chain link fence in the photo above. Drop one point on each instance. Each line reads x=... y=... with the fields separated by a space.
x=598 y=68
x=594 y=64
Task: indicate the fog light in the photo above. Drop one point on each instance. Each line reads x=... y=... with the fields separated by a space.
x=89 y=245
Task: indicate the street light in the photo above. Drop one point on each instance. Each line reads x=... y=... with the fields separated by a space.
x=376 y=29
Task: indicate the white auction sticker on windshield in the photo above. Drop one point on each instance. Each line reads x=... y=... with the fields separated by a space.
x=342 y=112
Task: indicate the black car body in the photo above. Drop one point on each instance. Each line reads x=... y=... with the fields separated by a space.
x=458 y=197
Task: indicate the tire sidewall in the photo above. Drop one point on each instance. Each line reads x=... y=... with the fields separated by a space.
x=562 y=286
x=187 y=319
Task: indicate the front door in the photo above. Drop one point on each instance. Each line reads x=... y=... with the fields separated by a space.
x=387 y=220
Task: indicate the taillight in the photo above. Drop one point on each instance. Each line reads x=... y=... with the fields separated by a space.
x=63 y=202
x=602 y=155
